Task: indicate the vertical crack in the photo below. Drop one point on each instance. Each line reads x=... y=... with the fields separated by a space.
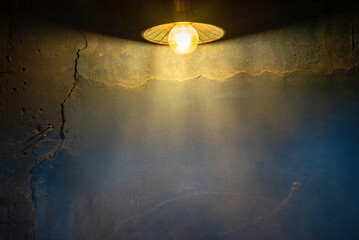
x=75 y=83
x=4 y=56
x=63 y=120
x=353 y=36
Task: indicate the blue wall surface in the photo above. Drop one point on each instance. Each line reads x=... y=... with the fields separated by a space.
x=254 y=157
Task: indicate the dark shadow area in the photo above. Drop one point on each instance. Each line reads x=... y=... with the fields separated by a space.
x=128 y=18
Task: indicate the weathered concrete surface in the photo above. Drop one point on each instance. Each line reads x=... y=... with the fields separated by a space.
x=206 y=160
x=37 y=73
x=319 y=47
x=102 y=138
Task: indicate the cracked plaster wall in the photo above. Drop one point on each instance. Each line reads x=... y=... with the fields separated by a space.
x=107 y=138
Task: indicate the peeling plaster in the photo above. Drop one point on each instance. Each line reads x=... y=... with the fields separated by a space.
x=308 y=48
x=227 y=78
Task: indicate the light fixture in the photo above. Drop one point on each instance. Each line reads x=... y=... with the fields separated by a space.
x=182 y=35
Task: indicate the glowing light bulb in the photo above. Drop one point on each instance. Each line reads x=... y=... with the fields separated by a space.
x=183 y=38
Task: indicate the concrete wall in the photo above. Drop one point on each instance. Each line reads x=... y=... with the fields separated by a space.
x=253 y=137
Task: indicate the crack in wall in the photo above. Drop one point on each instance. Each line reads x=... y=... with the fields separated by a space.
x=136 y=217
x=223 y=80
x=37 y=138
x=352 y=35
x=294 y=187
x=5 y=48
x=63 y=120
x=75 y=83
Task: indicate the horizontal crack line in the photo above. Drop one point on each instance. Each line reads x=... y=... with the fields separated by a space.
x=221 y=80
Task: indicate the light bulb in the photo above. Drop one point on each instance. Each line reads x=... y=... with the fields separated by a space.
x=183 y=38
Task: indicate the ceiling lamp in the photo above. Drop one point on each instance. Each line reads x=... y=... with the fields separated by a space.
x=183 y=35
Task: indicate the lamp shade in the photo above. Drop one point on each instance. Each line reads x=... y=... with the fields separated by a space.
x=206 y=32
x=184 y=25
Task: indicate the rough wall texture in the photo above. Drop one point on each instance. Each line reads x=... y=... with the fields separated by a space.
x=248 y=138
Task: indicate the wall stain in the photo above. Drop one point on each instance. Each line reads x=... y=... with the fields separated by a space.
x=294 y=187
